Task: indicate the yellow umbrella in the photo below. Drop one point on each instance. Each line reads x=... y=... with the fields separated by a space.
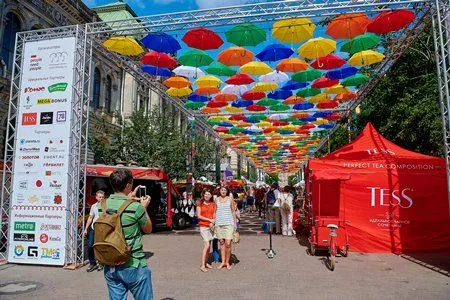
x=293 y=30
x=218 y=118
x=318 y=98
x=320 y=121
x=336 y=89
x=366 y=58
x=208 y=81
x=255 y=68
x=232 y=109
x=123 y=45
x=181 y=92
x=264 y=124
x=317 y=47
x=264 y=86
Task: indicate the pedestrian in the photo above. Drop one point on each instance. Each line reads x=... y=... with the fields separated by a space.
x=206 y=210
x=224 y=226
x=89 y=231
x=286 y=202
x=251 y=199
x=244 y=201
x=134 y=275
x=273 y=206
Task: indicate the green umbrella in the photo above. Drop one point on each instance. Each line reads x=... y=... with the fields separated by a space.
x=247 y=146
x=257 y=117
x=246 y=35
x=194 y=105
x=234 y=130
x=355 y=80
x=267 y=102
x=307 y=75
x=195 y=58
x=259 y=138
x=360 y=43
x=213 y=122
x=297 y=122
x=279 y=107
x=220 y=69
x=308 y=92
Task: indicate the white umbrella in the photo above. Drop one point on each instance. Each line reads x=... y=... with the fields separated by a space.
x=254 y=128
x=275 y=76
x=279 y=117
x=187 y=71
x=234 y=89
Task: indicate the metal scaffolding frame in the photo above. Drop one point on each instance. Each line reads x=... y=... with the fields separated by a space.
x=90 y=35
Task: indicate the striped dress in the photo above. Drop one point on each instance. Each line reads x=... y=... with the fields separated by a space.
x=224 y=215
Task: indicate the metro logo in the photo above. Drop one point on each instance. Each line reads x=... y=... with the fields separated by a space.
x=29 y=119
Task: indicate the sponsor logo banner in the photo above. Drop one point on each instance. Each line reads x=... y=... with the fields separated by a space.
x=24 y=226
x=23 y=237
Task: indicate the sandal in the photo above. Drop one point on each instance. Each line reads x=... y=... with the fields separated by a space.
x=221 y=266
x=229 y=267
x=203 y=269
x=208 y=266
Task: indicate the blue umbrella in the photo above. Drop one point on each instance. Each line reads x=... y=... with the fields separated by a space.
x=274 y=52
x=263 y=148
x=161 y=42
x=303 y=106
x=326 y=126
x=253 y=121
x=322 y=114
x=286 y=132
x=241 y=103
x=225 y=124
x=280 y=94
x=341 y=73
x=310 y=119
x=156 y=71
x=293 y=85
x=198 y=98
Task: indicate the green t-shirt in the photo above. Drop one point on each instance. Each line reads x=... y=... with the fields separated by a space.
x=132 y=218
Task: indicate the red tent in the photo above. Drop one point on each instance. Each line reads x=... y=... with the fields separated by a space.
x=395 y=200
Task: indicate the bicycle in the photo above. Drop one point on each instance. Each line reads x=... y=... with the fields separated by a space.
x=332 y=246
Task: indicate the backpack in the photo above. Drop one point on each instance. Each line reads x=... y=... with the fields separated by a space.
x=110 y=247
x=271 y=197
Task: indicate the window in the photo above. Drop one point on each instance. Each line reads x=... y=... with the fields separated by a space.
x=108 y=94
x=9 y=38
x=96 y=92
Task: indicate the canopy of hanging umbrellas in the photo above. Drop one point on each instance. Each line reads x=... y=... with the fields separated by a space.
x=271 y=93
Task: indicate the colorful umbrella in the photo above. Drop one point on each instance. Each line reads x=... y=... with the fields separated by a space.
x=220 y=69
x=293 y=85
x=317 y=47
x=264 y=86
x=341 y=73
x=210 y=110
x=161 y=42
x=255 y=68
x=211 y=90
x=361 y=42
x=327 y=104
x=279 y=94
x=123 y=45
x=232 y=109
x=208 y=81
x=255 y=107
x=389 y=21
x=179 y=92
x=160 y=60
x=294 y=100
x=293 y=30
x=279 y=107
x=366 y=58
x=308 y=92
x=324 y=82
x=245 y=34
x=234 y=89
x=241 y=103
x=156 y=71
x=292 y=65
x=177 y=82
x=345 y=97
x=225 y=97
x=328 y=62
x=274 y=76
x=235 y=56
x=235 y=130
x=239 y=79
x=216 y=104
x=267 y=102
x=336 y=89
x=203 y=39
x=319 y=98
x=187 y=71
x=347 y=26
x=198 y=98
x=253 y=95
x=355 y=80
x=307 y=75
x=195 y=58
x=194 y=105
x=274 y=52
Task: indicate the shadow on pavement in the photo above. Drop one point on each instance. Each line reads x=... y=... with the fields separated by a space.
x=437 y=262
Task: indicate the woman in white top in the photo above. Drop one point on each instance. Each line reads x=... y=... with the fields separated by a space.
x=286 y=209
x=224 y=225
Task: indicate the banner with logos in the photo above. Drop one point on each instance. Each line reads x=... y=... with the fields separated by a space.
x=394 y=200
x=41 y=157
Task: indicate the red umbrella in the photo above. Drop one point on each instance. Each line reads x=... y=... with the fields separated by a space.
x=389 y=21
x=324 y=82
x=221 y=129
x=327 y=62
x=253 y=95
x=268 y=130
x=302 y=131
x=308 y=126
x=279 y=123
x=216 y=104
x=239 y=79
x=255 y=107
x=160 y=60
x=203 y=39
x=327 y=104
x=237 y=118
x=333 y=117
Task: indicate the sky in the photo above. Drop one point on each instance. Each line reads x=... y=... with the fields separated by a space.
x=152 y=7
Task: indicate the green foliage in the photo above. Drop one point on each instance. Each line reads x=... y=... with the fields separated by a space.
x=271 y=178
x=404 y=106
x=154 y=140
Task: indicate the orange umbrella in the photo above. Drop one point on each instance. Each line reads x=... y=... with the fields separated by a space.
x=235 y=56
x=348 y=26
x=300 y=115
x=177 y=82
x=225 y=97
x=244 y=124
x=345 y=96
x=292 y=65
x=294 y=100
x=210 y=110
x=207 y=90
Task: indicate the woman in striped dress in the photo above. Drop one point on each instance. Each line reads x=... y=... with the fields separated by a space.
x=224 y=225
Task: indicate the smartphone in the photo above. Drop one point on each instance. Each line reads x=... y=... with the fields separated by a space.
x=142 y=191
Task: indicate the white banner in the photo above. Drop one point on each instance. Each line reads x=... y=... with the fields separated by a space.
x=41 y=159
